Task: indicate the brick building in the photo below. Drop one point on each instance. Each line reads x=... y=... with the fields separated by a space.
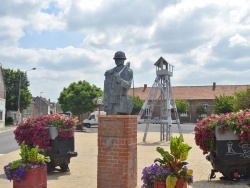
x=195 y=95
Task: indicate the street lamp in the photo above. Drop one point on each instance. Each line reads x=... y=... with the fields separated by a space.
x=99 y=103
x=19 y=92
x=40 y=104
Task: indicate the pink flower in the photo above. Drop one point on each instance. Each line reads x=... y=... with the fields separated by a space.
x=34 y=131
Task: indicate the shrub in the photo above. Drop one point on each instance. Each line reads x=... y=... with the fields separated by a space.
x=9 y=121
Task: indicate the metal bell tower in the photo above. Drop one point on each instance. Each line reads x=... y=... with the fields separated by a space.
x=160 y=99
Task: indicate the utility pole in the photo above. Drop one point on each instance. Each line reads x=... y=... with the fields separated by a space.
x=40 y=104
x=19 y=94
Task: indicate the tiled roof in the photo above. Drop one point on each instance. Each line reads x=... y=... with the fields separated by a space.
x=193 y=92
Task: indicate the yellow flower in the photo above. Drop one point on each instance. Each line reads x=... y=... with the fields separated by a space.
x=189 y=172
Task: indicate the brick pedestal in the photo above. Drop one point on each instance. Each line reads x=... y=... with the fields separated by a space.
x=117 y=151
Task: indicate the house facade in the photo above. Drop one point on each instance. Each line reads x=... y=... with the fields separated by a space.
x=31 y=110
x=42 y=104
x=2 y=98
x=194 y=95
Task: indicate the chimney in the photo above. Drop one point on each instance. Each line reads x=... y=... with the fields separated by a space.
x=145 y=87
x=214 y=85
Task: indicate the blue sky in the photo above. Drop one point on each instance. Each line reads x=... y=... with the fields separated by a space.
x=50 y=40
x=70 y=40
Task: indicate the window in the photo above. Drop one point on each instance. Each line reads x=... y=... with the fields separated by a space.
x=147 y=111
x=203 y=115
x=185 y=114
x=92 y=117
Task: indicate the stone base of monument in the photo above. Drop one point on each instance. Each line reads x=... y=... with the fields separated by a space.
x=117 y=151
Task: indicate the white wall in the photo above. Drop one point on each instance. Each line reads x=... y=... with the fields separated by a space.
x=2 y=112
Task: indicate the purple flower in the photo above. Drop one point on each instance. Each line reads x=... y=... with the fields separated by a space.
x=154 y=173
x=18 y=172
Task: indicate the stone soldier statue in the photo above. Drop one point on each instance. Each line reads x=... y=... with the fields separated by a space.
x=116 y=85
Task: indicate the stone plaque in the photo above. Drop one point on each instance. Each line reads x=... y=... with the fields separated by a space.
x=112 y=128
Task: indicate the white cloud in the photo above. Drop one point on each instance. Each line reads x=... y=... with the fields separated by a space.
x=238 y=40
x=206 y=40
x=10 y=30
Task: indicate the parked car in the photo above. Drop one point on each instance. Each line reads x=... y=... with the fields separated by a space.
x=92 y=119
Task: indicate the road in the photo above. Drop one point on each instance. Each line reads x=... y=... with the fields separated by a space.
x=7 y=142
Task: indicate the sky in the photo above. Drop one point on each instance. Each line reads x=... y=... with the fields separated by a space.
x=71 y=40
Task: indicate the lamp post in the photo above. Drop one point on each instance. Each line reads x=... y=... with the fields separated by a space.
x=19 y=93
x=40 y=104
x=99 y=103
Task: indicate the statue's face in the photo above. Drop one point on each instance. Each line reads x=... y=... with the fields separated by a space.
x=119 y=62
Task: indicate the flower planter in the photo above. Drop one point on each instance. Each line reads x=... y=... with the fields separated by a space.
x=62 y=151
x=179 y=184
x=34 y=178
x=159 y=185
x=230 y=156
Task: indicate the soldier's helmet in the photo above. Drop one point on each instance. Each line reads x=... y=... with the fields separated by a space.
x=119 y=55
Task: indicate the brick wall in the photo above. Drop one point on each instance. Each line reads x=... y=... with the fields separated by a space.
x=117 y=151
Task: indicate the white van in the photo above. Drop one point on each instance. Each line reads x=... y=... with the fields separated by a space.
x=92 y=119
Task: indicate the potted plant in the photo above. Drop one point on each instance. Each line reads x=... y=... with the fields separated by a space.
x=30 y=170
x=176 y=174
x=180 y=176
x=59 y=147
x=154 y=173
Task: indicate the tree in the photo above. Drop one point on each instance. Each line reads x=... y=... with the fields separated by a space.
x=201 y=109
x=78 y=97
x=12 y=81
x=58 y=107
x=241 y=100
x=223 y=104
x=137 y=104
x=182 y=105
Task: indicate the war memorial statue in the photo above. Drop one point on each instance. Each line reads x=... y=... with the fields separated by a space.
x=116 y=85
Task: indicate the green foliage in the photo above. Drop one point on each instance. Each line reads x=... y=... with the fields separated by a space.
x=201 y=109
x=137 y=104
x=32 y=155
x=12 y=80
x=15 y=164
x=9 y=121
x=179 y=149
x=78 y=97
x=175 y=159
x=241 y=100
x=58 y=107
x=223 y=104
x=182 y=105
